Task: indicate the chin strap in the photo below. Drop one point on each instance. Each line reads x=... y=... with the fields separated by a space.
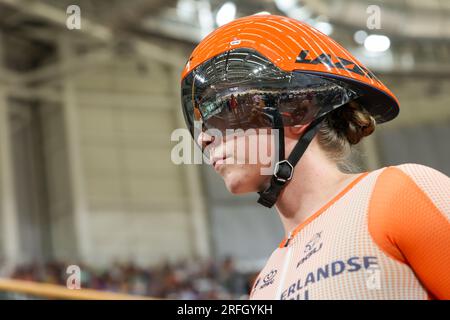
x=284 y=168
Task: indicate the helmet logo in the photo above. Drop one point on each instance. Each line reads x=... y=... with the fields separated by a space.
x=341 y=63
x=235 y=42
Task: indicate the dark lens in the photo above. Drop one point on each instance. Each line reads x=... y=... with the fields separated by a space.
x=241 y=89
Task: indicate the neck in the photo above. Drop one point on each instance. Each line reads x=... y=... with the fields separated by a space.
x=316 y=181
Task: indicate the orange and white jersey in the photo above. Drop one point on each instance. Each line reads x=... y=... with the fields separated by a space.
x=385 y=236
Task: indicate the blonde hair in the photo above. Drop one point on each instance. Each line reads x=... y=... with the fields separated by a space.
x=341 y=131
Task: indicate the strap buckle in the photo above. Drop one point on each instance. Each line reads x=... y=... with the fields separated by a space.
x=283 y=171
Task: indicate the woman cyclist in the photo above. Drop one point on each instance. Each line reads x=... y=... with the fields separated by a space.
x=383 y=234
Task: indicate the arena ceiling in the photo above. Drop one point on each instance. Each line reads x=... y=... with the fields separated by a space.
x=419 y=30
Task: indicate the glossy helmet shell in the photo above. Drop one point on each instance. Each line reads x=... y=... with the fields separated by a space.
x=292 y=45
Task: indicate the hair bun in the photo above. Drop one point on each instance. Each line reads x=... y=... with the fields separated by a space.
x=352 y=121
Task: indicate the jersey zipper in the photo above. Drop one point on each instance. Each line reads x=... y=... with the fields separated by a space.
x=286 y=262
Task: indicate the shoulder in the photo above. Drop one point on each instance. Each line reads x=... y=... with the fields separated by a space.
x=407 y=198
x=422 y=175
x=413 y=182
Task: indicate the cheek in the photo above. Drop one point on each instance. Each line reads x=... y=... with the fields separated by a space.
x=251 y=149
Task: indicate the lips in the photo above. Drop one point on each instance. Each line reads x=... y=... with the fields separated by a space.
x=216 y=161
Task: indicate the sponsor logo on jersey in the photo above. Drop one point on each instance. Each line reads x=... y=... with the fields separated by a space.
x=269 y=278
x=313 y=246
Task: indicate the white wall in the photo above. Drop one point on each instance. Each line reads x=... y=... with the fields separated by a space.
x=136 y=198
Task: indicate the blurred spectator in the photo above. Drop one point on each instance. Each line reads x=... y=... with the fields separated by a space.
x=185 y=279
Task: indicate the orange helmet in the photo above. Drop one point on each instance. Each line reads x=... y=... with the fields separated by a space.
x=292 y=45
x=273 y=71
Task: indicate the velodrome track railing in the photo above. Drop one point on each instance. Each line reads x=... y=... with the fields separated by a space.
x=24 y=290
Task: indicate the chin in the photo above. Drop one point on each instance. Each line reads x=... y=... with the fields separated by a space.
x=235 y=186
x=240 y=180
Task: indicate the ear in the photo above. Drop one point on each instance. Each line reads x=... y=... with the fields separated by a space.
x=296 y=131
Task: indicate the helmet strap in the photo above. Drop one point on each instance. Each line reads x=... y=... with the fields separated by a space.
x=284 y=168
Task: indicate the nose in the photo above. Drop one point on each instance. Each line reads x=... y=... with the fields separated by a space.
x=204 y=140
